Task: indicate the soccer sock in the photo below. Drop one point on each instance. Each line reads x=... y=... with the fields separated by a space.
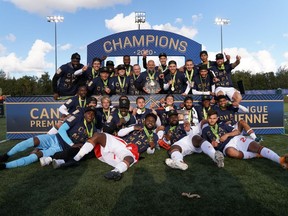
x=86 y=148
x=248 y=155
x=21 y=146
x=243 y=108
x=269 y=154
x=251 y=133
x=160 y=134
x=121 y=167
x=22 y=161
x=53 y=130
x=208 y=149
x=177 y=156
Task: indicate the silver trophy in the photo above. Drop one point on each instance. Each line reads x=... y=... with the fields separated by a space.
x=152 y=86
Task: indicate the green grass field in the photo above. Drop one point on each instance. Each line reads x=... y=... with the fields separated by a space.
x=242 y=187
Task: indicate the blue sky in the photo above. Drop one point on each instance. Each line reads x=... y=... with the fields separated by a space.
x=258 y=30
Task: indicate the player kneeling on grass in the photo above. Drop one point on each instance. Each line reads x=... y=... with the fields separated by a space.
x=111 y=150
x=227 y=139
x=188 y=145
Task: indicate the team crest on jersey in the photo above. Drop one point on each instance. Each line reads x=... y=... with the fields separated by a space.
x=71 y=118
x=59 y=71
x=69 y=101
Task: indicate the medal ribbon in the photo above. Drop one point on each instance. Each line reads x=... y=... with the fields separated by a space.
x=121 y=84
x=149 y=135
x=90 y=133
x=80 y=102
x=215 y=131
x=106 y=115
x=189 y=77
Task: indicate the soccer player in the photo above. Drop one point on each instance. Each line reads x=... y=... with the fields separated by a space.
x=190 y=112
x=227 y=140
x=190 y=144
x=120 y=84
x=142 y=135
x=104 y=113
x=204 y=107
x=65 y=82
x=73 y=133
x=101 y=84
x=174 y=82
x=111 y=150
x=149 y=75
x=128 y=67
x=226 y=114
x=72 y=104
x=133 y=90
x=223 y=80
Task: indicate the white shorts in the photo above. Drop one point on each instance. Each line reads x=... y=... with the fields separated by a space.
x=229 y=91
x=241 y=143
x=186 y=145
x=114 y=152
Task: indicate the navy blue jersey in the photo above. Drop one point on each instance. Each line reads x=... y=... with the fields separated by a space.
x=177 y=132
x=144 y=77
x=202 y=112
x=226 y=116
x=209 y=65
x=90 y=74
x=97 y=86
x=116 y=119
x=179 y=85
x=78 y=132
x=140 y=139
x=133 y=90
x=64 y=82
x=141 y=117
x=104 y=118
x=75 y=103
x=128 y=69
x=203 y=84
x=224 y=75
x=208 y=135
x=116 y=86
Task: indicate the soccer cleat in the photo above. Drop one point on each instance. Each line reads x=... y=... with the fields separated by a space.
x=259 y=139
x=176 y=164
x=44 y=161
x=69 y=163
x=284 y=161
x=113 y=175
x=4 y=157
x=163 y=144
x=57 y=163
x=219 y=159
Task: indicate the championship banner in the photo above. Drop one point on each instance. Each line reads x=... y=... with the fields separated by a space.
x=135 y=42
x=31 y=116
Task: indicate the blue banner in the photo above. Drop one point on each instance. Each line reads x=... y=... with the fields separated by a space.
x=30 y=116
x=134 y=42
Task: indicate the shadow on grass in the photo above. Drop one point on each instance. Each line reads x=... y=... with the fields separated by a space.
x=34 y=190
x=221 y=193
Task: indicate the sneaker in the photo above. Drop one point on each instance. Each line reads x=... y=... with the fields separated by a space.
x=57 y=163
x=284 y=161
x=44 y=161
x=259 y=139
x=4 y=158
x=176 y=164
x=113 y=175
x=219 y=159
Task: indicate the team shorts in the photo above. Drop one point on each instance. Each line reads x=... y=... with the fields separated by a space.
x=241 y=143
x=49 y=144
x=229 y=91
x=186 y=145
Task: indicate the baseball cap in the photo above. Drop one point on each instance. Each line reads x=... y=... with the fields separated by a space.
x=109 y=63
x=162 y=54
x=206 y=97
x=90 y=108
x=124 y=103
x=203 y=67
x=121 y=67
x=104 y=69
x=219 y=56
x=172 y=112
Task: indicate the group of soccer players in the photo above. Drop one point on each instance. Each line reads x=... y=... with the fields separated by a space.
x=119 y=135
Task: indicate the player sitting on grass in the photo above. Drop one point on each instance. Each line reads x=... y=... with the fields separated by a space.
x=227 y=139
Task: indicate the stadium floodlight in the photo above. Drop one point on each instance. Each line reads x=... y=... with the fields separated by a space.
x=140 y=17
x=55 y=19
x=221 y=22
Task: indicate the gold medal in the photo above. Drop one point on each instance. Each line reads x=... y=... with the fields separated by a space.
x=172 y=88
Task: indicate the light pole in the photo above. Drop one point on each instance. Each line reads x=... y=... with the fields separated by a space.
x=140 y=17
x=221 y=22
x=55 y=19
